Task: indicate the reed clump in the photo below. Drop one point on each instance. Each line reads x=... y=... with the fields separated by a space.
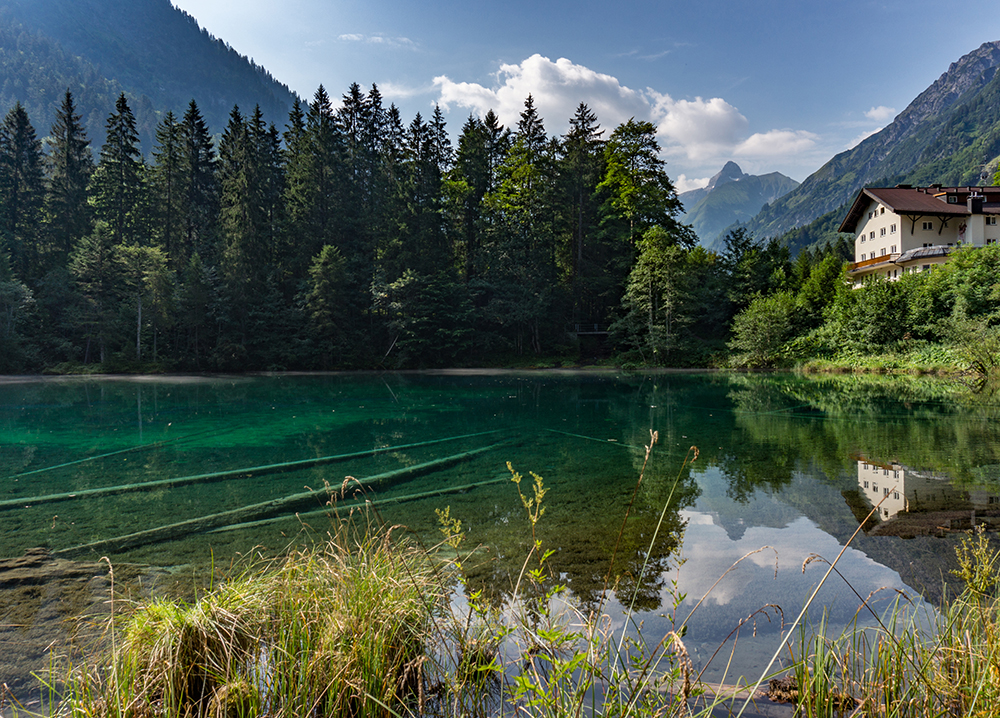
x=338 y=629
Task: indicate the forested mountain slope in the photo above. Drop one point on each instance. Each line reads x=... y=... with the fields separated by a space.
x=148 y=49
x=949 y=134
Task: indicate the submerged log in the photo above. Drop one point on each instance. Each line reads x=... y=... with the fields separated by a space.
x=282 y=467
x=265 y=509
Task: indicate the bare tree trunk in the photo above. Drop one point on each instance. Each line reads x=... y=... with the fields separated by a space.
x=138 y=327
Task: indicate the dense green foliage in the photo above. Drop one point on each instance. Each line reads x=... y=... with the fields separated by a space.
x=348 y=240
x=947 y=316
x=351 y=240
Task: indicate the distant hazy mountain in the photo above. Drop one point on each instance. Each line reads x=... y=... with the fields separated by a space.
x=730 y=196
x=152 y=51
x=949 y=134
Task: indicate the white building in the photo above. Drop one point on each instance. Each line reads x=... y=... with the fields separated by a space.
x=910 y=229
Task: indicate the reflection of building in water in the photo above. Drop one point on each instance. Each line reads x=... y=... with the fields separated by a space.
x=919 y=502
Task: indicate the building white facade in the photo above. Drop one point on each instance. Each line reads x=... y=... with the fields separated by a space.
x=897 y=489
x=905 y=229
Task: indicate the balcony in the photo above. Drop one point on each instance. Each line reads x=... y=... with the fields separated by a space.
x=868 y=264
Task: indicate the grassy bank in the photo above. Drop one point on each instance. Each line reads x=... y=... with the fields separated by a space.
x=368 y=623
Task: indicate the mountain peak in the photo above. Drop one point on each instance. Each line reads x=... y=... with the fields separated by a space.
x=730 y=172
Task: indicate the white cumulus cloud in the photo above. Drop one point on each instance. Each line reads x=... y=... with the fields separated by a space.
x=683 y=183
x=776 y=143
x=698 y=132
x=557 y=88
x=881 y=113
x=699 y=128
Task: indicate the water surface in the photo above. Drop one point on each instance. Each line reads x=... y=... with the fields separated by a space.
x=787 y=470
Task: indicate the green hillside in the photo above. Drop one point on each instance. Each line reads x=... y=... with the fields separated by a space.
x=148 y=49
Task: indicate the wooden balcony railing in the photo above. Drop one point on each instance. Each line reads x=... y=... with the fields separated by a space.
x=866 y=263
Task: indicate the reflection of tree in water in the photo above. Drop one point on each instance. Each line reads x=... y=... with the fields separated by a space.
x=828 y=420
x=589 y=492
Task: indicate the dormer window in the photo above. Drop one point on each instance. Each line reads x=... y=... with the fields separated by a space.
x=952 y=199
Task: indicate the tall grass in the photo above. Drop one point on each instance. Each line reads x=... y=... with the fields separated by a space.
x=909 y=664
x=337 y=629
x=366 y=624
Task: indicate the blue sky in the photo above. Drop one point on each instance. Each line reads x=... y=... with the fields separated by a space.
x=776 y=85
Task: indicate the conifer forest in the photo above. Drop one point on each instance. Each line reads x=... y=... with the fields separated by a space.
x=349 y=239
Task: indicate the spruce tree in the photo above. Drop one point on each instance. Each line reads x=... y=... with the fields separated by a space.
x=519 y=238
x=92 y=263
x=167 y=190
x=199 y=186
x=22 y=193
x=117 y=188
x=581 y=165
x=637 y=185
x=467 y=184
x=242 y=218
x=70 y=166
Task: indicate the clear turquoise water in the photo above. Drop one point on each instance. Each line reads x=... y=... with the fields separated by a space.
x=782 y=468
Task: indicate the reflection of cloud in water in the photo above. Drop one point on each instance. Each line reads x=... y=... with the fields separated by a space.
x=709 y=552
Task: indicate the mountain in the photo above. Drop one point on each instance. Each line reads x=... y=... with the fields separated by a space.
x=730 y=196
x=153 y=52
x=949 y=134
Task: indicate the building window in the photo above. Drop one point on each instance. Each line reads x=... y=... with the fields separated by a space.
x=991 y=241
x=952 y=199
x=875 y=487
x=871 y=235
x=892 y=249
x=927 y=244
x=883 y=251
x=881 y=210
x=927 y=267
x=928 y=225
x=885 y=492
x=991 y=221
x=862 y=238
x=881 y=232
x=895 y=495
x=870 y=215
x=892 y=229
x=866 y=484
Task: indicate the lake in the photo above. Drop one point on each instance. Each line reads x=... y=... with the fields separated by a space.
x=176 y=476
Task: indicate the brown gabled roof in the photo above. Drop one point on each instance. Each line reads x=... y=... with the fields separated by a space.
x=903 y=201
